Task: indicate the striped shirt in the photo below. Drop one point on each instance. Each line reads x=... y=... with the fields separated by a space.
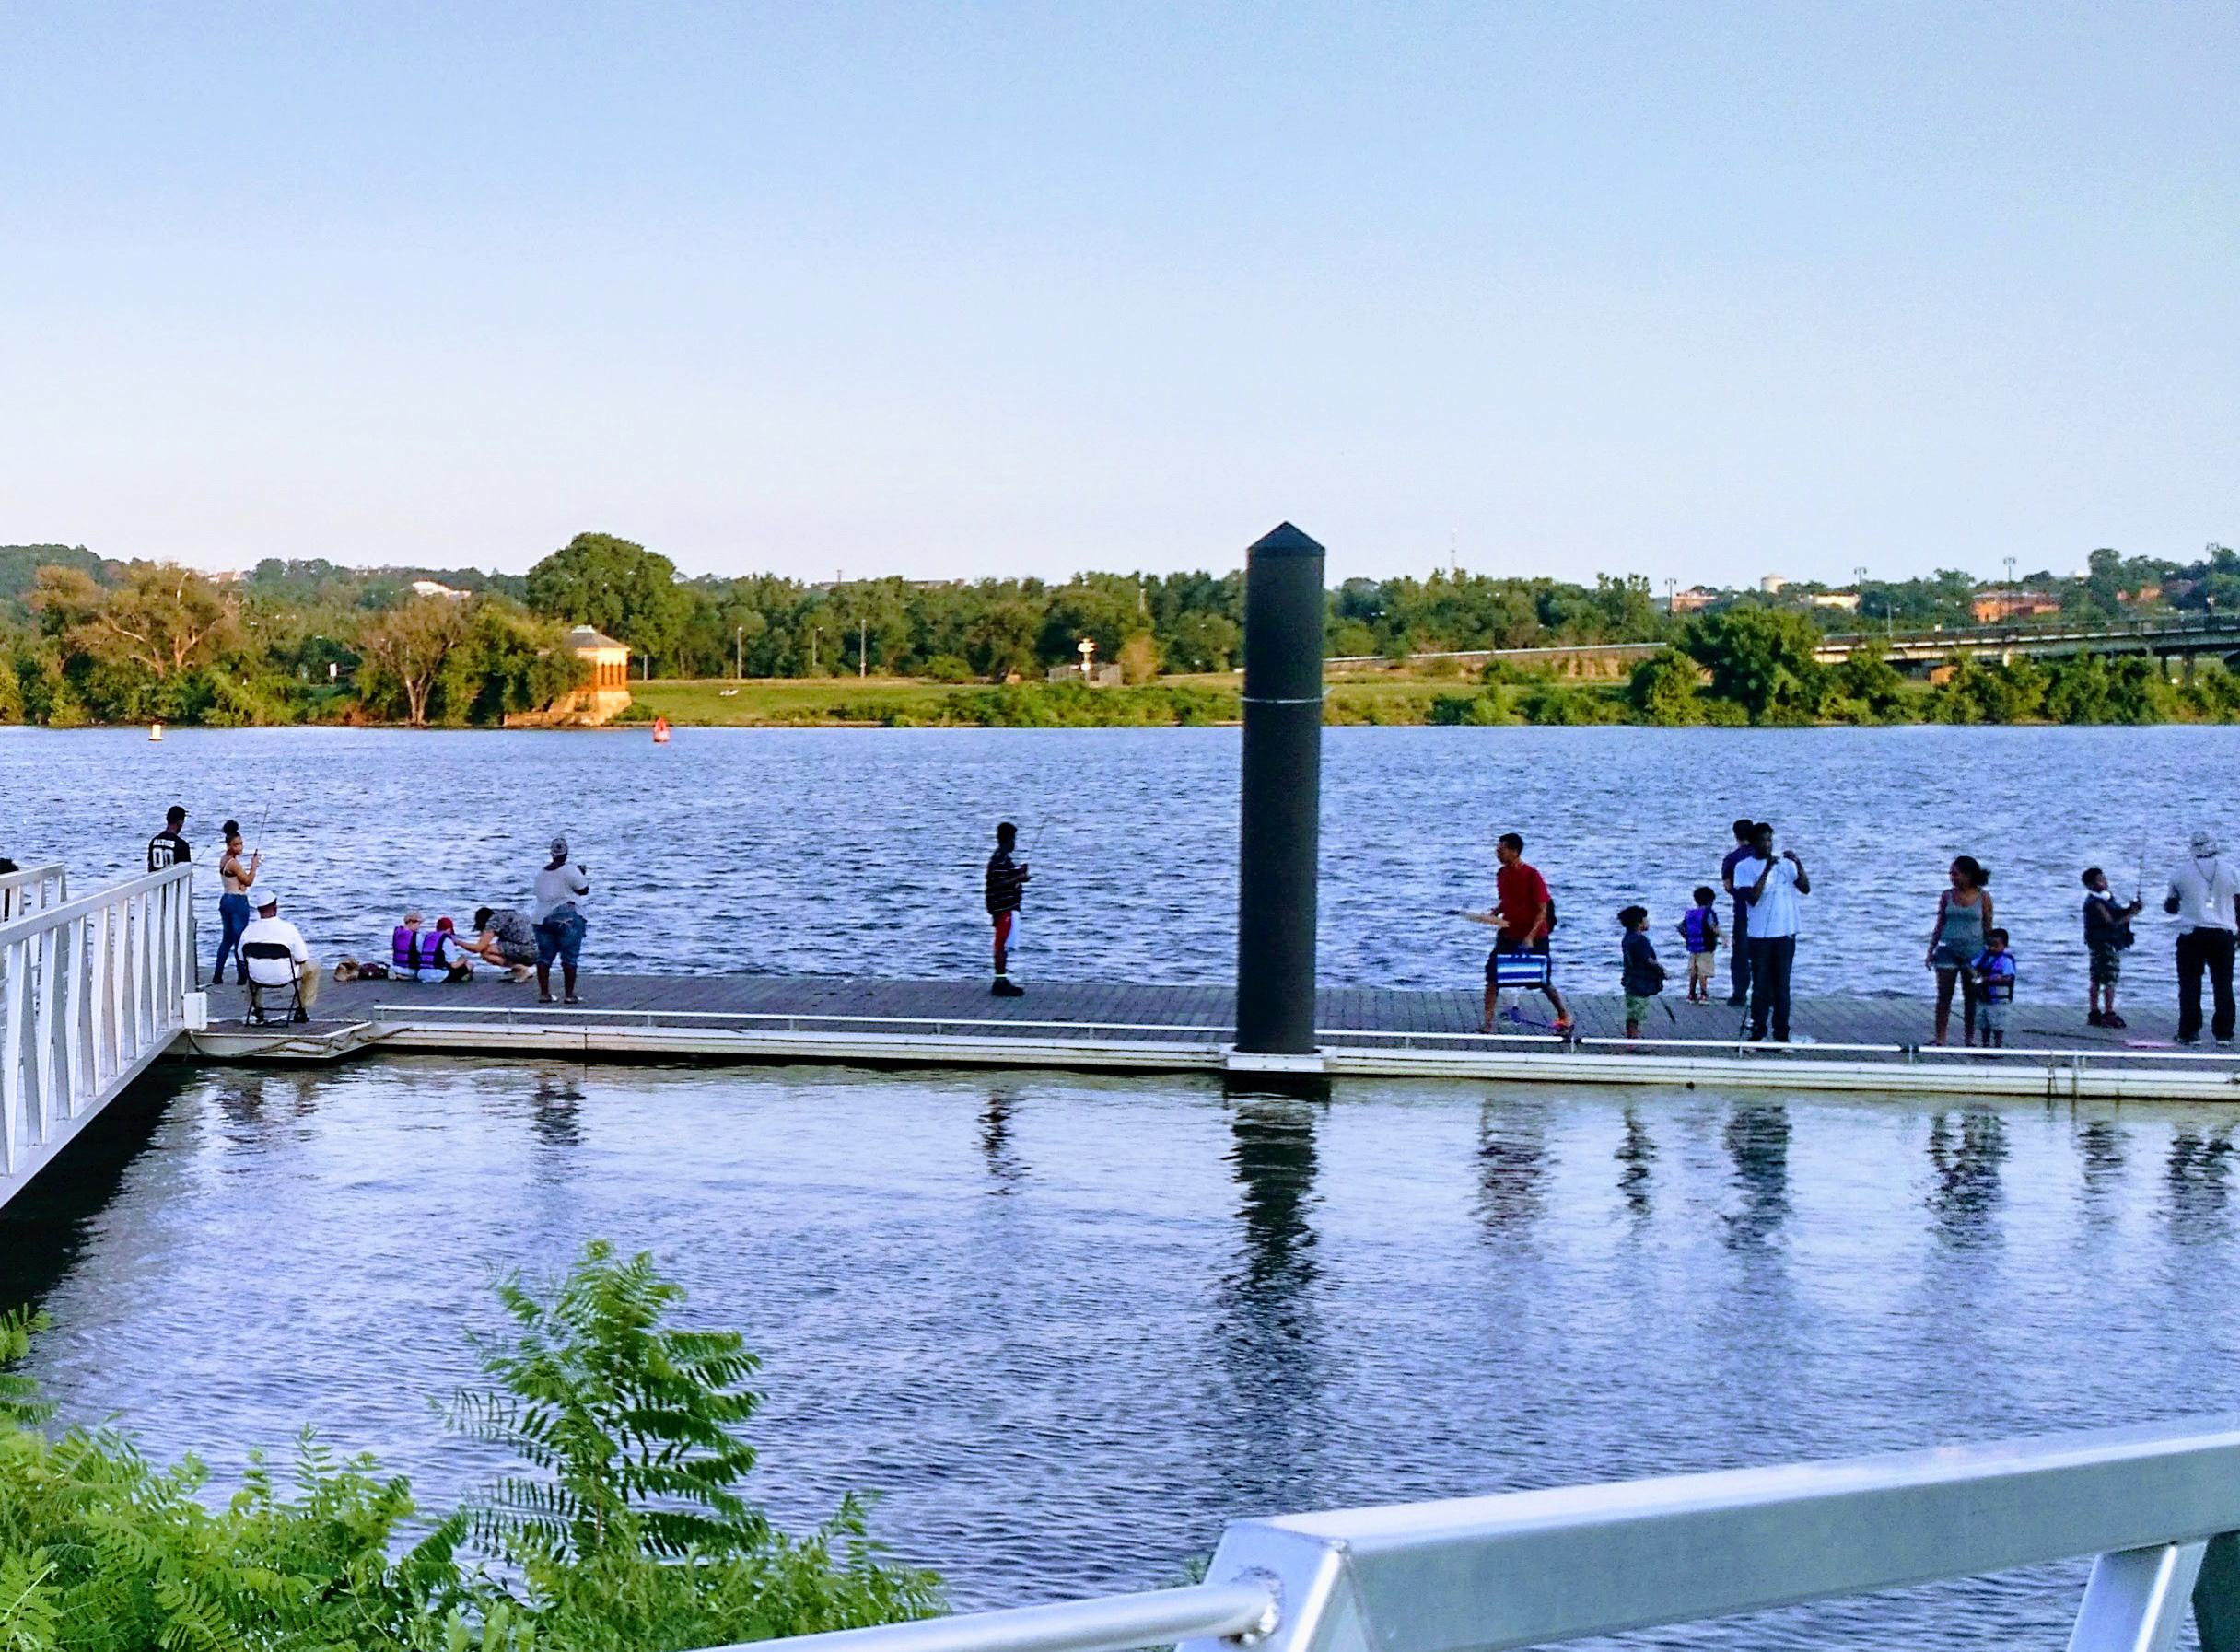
x=1005 y=882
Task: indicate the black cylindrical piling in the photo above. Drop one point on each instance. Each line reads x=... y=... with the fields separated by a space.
x=1281 y=814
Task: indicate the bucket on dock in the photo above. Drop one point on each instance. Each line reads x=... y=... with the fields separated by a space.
x=1520 y=968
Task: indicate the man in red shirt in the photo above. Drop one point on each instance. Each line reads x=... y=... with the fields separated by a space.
x=1522 y=915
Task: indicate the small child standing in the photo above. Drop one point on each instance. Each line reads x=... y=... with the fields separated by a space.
x=1644 y=976
x=2107 y=933
x=1994 y=972
x=1699 y=930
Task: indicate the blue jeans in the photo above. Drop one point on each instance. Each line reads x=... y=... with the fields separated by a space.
x=561 y=937
x=233 y=912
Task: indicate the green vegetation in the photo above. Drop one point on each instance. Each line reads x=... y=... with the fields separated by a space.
x=625 y=1529
x=86 y=640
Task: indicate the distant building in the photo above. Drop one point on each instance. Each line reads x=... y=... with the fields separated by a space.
x=1990 y=607
x=436 y=587
x=1690 y=600
x=608 y=689
x=1846 y=600
x=1771 y=585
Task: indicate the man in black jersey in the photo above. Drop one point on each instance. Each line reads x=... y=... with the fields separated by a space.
x=1006 y=879
x=166 y=848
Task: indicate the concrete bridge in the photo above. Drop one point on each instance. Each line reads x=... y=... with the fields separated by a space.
x=2177 y=637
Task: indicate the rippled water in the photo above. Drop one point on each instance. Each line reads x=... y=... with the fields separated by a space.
x=1070 y=1325
x=856 y=851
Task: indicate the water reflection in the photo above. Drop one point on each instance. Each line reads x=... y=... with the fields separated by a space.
x=1269 y=1340
x=45 y=1227
x=555 y=1117
x=1635 y=1152
x=2198 y=1183
x=1511 y=1164
x=2100 y=1160
x=1966 y=1194
x=1005 y=1167
x=1758 y=1142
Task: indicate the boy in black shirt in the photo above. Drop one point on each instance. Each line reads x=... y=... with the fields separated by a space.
x=2107 y=931
x=1006 y=879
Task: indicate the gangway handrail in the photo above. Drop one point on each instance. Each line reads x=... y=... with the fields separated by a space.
x=29 y=890
x=1534 y=1567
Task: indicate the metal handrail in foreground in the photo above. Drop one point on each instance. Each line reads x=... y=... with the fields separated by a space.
x=1203 y=1030
x=2158 y=1507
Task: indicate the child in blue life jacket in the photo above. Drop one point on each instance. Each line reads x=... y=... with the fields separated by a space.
x=1644 y=976
x=1699 y=929
x=1994 y=972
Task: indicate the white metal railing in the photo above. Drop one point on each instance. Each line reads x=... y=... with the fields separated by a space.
x=2154 y=1506
x=29 y=890
x=91 y=990
x=1206 y=1032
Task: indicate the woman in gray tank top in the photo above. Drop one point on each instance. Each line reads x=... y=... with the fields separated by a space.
x=1963 y=920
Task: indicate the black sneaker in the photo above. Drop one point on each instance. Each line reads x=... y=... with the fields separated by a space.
x=1005 y=988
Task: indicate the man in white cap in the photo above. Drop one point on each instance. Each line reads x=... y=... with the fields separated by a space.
x=2205 y=896
x=561 y=885
x=276 y=973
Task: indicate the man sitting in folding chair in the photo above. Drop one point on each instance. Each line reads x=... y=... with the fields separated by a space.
x=279 y=964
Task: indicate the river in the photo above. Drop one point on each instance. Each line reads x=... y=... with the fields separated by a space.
x=1068 y=1326
x=858 y=851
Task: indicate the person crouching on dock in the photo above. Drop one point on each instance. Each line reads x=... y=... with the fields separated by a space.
x=1007 y=881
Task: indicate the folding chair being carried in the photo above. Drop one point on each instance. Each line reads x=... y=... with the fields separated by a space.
x=254 y=952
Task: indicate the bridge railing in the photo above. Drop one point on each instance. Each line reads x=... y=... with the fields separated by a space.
x=91 y=990
x=2155 y=1507
x=29 y=890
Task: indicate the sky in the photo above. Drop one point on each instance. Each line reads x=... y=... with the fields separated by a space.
x=1696 y=291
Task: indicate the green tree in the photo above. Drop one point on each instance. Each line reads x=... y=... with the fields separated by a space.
x=622 y=588
x=405 y=651
x=1663 y=690
x=1761 y=658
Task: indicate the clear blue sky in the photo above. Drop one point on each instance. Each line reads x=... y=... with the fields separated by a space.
x=1694 y=290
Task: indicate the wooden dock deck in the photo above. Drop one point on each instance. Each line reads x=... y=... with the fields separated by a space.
x=1856 y=1043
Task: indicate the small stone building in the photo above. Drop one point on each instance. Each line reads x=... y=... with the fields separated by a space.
x=608 y=689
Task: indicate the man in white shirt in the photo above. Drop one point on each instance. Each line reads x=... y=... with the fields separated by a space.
x=270 y=928
x=2205 y=896
x=1770 y=886
x=557 y=911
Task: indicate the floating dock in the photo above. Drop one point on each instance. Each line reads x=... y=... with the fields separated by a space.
x=1858 y=1043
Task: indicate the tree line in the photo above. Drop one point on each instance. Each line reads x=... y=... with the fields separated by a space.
x=84 y=639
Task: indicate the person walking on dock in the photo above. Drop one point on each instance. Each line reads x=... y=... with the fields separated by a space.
x=167 y=848
x=1963 y=919
x=2205 y=898
x=1523 y=917
x=2108 y=935
x=1738 y=963
x=1005 y=885
x=234 y=874
x=559 y=921
x=1770 y=886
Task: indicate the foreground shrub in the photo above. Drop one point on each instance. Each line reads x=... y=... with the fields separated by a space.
x=626 y=1531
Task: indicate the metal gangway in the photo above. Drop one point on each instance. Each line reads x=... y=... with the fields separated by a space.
x=91 y=990
x=2157 y=1507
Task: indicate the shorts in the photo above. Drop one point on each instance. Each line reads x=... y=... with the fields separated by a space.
x=560 y=936
x=1699 y=965
x=1638 y=1004
x=2107 y=963
x=1003 y=921
x=1992 y=1017
x=1947 y=958
x=517 y=954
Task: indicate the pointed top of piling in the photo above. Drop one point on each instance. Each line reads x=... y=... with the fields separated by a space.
x=1285 y=541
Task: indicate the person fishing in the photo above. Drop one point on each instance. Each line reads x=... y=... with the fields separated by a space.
x=235 y=876
x=1963 y=920
x=2204 y=896
x=1004 y=887
x=2108 y=936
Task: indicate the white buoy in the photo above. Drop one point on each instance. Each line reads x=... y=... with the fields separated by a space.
x=155 y=731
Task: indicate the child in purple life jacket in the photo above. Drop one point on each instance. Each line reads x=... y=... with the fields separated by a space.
x=1699 y=929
